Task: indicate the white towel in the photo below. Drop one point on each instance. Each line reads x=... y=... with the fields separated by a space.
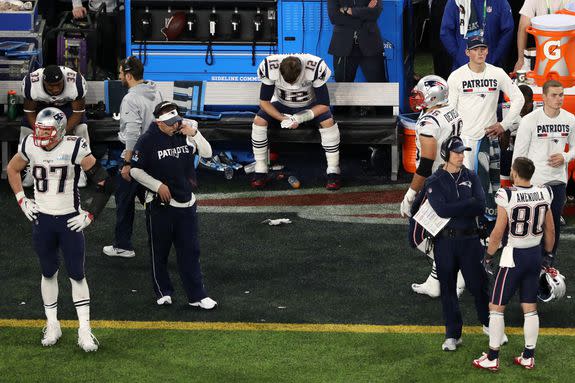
x=464 y=14
x=507 y=257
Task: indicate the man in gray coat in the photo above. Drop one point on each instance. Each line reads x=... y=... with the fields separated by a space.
x=136 y=114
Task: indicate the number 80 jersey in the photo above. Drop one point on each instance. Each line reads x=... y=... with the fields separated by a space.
x=56 y=173
x=526 y=208
x=315 y=73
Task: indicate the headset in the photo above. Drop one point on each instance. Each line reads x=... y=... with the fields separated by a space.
x=127 y=64
x=444 y=151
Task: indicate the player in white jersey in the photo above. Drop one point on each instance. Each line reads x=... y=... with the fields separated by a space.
x=524 y=212
x=474 y=90
x=436 y=124
x=297 y=85
x=542 y=136
x=58 y=218
x=60 y=87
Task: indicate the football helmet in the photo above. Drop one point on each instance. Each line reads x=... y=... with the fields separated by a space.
x=430 y=91
x=551 y=285
x=50 y=127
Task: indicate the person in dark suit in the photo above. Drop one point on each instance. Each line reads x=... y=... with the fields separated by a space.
x=356 y=40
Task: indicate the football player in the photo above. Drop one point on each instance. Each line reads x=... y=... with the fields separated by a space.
x=60 y=87
x=524 y=211
x=58 y=218
x=437 y=122
x=298 y=83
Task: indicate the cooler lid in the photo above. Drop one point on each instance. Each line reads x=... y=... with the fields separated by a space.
x=554 y=22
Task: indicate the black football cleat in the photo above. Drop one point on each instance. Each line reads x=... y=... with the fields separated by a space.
x=333 y=181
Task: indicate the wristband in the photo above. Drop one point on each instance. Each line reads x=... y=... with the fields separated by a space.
x=20 y=196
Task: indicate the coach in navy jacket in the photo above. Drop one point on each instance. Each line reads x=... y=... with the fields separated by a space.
x=498 y=31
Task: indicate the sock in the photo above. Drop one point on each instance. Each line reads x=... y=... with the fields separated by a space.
x=330 y=143
x=531 y=332
x=492 y=354
x=81 y=298
x=49 y=288
x=260 y=147
x=496 y=329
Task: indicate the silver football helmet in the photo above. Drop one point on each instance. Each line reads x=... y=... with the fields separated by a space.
x=430 y=91
x=50 y=127
x=551 y=285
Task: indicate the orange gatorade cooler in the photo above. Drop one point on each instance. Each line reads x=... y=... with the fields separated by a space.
x=409 y=147
x=568 y=10
x=555 y=41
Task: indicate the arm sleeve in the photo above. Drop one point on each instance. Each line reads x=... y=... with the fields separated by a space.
x=145 y=179
x=321 y=74
x=131 y=117
x=338 y=18
x=453 y=84
x=516 y=99
x=505 y=35
x=139 y=155
x=322 y=95
x=200 y=144
x=522 y=140
x=570 y=155
x=263 y=73
x=477 y=205
x=81 y=86
x=366 y=13
x=27 y=87
x=502 y=198
x=24 y=145
x=266 y=92
x=428 y=126
x=450 y=209
x=450 y=28
x=528 y=8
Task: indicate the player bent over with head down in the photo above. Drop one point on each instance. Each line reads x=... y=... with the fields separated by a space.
x=298 y=82
x=524 y=211
x=437 y=122
x=56 y=161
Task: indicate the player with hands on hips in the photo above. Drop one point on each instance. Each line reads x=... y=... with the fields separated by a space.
x=297 y=86
x=524 y=212
x=56 y=161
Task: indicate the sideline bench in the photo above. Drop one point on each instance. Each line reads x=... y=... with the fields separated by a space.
x=376 y=130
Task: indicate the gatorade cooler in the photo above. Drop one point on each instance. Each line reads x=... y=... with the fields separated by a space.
x=409 y=147
x=555 y=40
x=568 y=10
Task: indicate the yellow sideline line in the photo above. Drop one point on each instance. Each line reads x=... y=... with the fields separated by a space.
x=296 y=327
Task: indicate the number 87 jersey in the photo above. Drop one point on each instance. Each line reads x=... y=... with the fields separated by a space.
x=300 y=94
x=526 y=208
x=56 y=173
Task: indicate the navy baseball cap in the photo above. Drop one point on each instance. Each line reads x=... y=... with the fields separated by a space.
x=456 y=145
x=475 y=42
x=167 y=112
x=53 y=74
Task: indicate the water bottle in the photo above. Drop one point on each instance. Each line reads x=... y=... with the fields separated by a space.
x=12 y=108
x=228 y=172
x=294 y=182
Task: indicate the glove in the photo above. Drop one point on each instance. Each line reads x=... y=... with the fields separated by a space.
x=548 y=260
x=80 y=221
x=405 y=208
x=27 y=205
x=287 y=124
x=488 y=265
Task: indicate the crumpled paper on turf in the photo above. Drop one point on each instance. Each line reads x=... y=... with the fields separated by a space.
x=276 y=222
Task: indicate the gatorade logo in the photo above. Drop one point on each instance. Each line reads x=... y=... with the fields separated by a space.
x=551 y=49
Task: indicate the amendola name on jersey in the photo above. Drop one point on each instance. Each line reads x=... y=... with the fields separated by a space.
x=74 y=87
x=56 y=173
x=526 y=208
x=440 y=124
x=315 y=73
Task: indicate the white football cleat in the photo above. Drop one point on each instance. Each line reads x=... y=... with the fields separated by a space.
x=165 y=300
x=451 y=344
x=484 y=363
x=207 y=304
x=429 y=287
x=112 y=251
x=83 y=180
x=86 y=340
x=504 y=340
x=51 y=333
x=528 y=363
x=28 y=180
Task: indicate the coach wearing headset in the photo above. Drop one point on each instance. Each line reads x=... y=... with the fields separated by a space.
x=455 y=192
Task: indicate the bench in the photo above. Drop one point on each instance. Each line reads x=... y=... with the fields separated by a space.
x=377 y=130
